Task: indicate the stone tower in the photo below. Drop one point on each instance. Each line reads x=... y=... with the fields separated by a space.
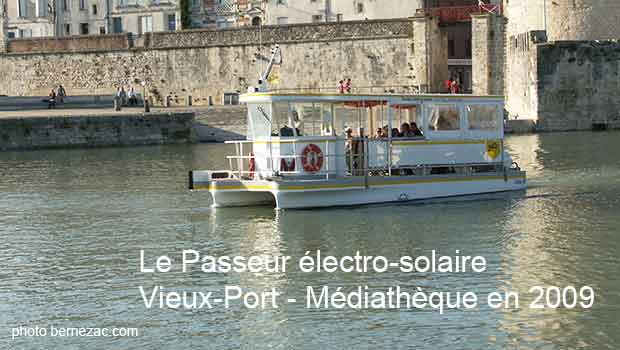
x=2 y=33
x=565 y=19
x=583 y=19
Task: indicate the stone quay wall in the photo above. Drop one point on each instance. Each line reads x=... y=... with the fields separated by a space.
x=578 y=85
x=205 y=64
x=564 y=85
x=18 y=133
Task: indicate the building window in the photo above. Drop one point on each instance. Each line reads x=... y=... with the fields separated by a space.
x=94 y=9
x=65 y=5
x=101 y=30
x=68 y=29
x=281 y=2
x=195 y=3
x=172 y=22
x=84 y=28
x=23 y=9
x=42 y=9
x=360 y=7
x=282 y=20
x=339 y=17
x=11 y=35
x=317 y=18
x=25 y=33
x=256 y=21
x=146 y=24
x=468 y=48
x=117 y=25
x=82 y=4
x=451 y=48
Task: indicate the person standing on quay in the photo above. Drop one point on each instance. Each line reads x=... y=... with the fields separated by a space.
x=341 y=87
x=61 y=94
x=347 y=86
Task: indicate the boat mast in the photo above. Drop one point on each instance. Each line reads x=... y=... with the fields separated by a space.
x=262 y=80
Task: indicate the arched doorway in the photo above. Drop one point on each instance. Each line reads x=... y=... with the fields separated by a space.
x=256 y=21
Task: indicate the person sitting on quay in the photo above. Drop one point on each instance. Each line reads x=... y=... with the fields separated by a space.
x=51 y=100
x=133 y=99
x=62 y=93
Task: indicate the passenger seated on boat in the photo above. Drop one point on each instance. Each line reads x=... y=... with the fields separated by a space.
x=379 y=133
x=286 y=131
x=404 y=130
x=414 y=131
x=395 y=132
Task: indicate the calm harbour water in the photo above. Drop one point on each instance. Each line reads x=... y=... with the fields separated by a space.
x=72 y=223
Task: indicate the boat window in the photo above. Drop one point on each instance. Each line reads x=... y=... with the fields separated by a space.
x=444 y=117
x=281 y=126
x=259 y=120
x=483 y=117
x=346 y=117
x=306 y=117
x=406 y=114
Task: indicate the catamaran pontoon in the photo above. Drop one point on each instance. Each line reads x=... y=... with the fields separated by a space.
x=314 y=150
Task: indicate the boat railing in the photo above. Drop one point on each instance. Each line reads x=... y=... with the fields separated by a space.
x=355 y=163
x=375 y=89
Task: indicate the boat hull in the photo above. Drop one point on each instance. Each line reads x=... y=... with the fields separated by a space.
x=358 y=190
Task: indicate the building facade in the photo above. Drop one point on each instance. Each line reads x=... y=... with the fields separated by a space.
x=309 y=11
x=44 y=18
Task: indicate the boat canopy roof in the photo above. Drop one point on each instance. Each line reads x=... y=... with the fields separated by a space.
x=369 y=99
x=438 y=116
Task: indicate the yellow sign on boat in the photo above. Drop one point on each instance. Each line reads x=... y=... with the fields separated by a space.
x=493 y=148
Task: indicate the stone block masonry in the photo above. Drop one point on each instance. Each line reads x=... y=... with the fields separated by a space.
x=488 y=54
x=33 y=132
x=578 y=85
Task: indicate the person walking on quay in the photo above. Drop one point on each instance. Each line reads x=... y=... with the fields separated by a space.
x=61 y=94
x=51 y=99
x=347 y=86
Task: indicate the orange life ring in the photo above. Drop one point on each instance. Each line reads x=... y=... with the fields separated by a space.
x=312 y=158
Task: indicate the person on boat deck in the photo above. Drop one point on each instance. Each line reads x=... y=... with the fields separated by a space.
x=286 y=131
x=379 y=133
x=414 y=131
x=385 y=131
x=404 y=130
x=350 y=159
x=348 y=132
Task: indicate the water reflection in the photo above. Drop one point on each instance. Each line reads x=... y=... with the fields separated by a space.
x=73 y=222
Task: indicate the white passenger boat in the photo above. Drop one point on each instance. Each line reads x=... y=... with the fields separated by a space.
x=321 y=150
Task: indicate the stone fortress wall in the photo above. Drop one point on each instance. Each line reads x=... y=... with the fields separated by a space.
x=206 y=64
x=562 y=69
